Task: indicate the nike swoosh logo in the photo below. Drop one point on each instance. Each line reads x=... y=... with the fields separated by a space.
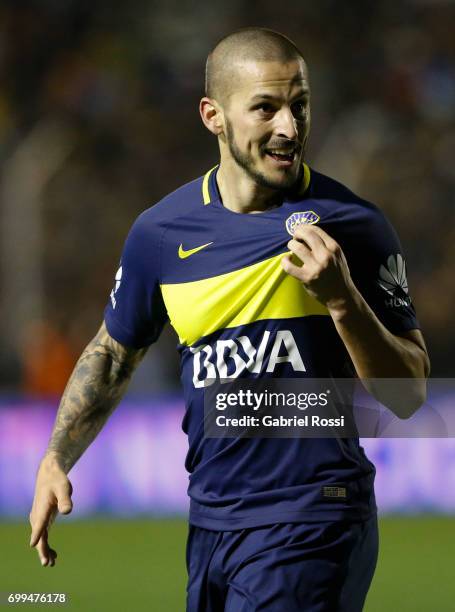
x=184 y=254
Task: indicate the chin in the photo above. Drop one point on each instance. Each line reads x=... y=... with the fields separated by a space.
x=279 y=180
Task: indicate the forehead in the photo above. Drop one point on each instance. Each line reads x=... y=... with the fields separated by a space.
x=275 y=78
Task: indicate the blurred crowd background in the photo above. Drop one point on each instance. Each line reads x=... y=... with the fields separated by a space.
x=99 y=120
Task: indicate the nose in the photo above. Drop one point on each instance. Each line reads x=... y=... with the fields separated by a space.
x=286 y=124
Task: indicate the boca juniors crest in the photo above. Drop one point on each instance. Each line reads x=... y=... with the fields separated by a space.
x=308 y=217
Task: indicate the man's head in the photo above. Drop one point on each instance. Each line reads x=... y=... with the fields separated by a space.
x=257 y=103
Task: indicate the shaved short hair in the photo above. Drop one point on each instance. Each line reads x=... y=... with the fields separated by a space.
x=247 y=44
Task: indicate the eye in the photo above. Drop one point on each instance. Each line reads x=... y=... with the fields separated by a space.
x=265 y=107
x=300 y=108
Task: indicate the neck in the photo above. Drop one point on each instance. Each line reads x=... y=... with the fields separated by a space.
x=240 y=193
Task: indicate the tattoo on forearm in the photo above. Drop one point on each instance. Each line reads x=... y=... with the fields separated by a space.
x=96 y=385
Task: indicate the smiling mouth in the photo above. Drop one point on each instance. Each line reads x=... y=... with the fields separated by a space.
x=285 y=157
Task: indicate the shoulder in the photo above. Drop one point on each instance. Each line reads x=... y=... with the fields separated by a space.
x=148 y=229
x=326 y=188
x=360 y=216
x=183 y=202
x=179 y=203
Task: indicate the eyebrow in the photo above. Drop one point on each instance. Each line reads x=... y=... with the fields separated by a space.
x=266 y=96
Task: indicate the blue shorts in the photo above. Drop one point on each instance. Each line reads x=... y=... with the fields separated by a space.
x=288 y=567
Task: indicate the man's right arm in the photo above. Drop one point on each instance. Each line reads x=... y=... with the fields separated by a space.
x=97 y=384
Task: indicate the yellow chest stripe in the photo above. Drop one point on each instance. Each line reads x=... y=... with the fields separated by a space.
x=254 y=293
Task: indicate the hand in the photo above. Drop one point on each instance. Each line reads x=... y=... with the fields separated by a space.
x=322 y=268
x=52 y=495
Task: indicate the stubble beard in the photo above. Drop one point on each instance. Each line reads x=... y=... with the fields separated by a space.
x=245 y=161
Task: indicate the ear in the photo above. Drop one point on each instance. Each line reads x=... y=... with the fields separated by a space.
x=212 y=115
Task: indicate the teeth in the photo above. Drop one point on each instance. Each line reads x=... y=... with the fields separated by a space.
x=281 y=152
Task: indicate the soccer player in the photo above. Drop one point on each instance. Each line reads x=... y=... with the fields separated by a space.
x=265 y=268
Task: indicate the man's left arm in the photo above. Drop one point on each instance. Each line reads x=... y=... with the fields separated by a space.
x=375 y=351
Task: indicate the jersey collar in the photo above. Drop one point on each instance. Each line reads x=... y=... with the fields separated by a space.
x=210 y=189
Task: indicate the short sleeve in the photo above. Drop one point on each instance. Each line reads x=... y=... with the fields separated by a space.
x=135 y=314
x=379 y=270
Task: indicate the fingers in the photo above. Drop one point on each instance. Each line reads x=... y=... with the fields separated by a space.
x=42 y=548
x=52 y=495
x=46 y=554
x=308 y=245
x=39 y=522
x=313 y=240
x=316 y=250
x=315 y=237
x=53 y=556
x=44 y=511
x=64 y=503
x=300 y=249
x=39 y=539
x=290 y=267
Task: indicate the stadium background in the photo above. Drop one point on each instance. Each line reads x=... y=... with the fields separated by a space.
x=98 y=120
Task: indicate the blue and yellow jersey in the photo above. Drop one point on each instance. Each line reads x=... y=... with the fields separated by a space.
x=216 y=276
